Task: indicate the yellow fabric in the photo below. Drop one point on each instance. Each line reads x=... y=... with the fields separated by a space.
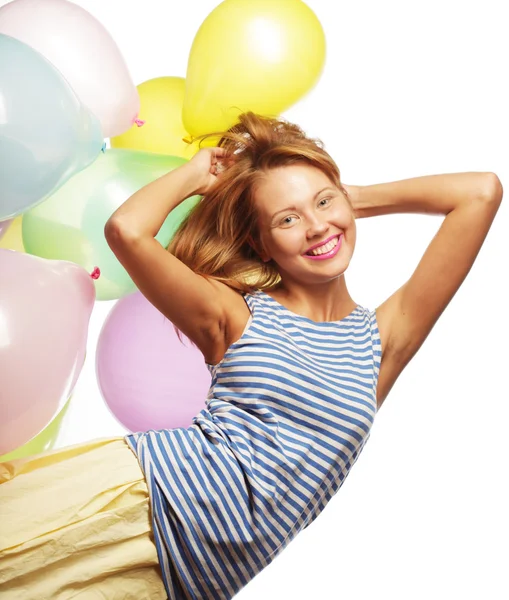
x=75 y=523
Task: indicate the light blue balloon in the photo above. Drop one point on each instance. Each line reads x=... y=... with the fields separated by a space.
x=46 y=134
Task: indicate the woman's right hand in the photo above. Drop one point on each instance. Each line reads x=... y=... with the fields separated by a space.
x=207 y=165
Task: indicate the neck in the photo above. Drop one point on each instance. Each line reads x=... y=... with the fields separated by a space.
x=329 y=301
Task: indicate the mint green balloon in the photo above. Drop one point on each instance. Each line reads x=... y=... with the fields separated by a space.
x=69 y=225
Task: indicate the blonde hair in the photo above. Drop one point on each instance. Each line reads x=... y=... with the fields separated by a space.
x=216 y=238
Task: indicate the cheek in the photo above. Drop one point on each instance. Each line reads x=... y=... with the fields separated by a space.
x=351 y=233
x=346 y=213
x=348 y=218
x=289 y=241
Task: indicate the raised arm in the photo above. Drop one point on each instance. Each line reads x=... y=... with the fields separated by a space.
x=470 y=202
x=194 y=304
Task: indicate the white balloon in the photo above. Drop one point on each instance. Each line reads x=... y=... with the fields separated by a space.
x=80 y=47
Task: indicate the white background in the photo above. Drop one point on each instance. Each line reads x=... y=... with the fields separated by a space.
x=409 y=89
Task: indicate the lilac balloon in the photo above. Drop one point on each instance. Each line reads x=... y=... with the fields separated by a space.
x=4 y=226
x=147 y=377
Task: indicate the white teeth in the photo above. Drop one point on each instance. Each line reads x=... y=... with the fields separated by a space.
x=324 y=249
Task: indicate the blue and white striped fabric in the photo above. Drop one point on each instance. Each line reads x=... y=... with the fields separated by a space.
x=288 y=412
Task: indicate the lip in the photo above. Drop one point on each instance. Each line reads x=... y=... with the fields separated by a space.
x=322 y=243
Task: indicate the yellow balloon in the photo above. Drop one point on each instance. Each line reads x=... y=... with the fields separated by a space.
x=12 y=238
x=161 y=109
x=257 y=55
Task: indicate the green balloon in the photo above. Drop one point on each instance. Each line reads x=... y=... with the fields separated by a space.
x=69 y=225
x=42 y=442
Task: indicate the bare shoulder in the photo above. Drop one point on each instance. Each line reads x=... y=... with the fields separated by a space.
x=236 y=314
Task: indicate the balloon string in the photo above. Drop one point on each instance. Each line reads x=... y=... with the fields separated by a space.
x=96 y=273
x=139 y=122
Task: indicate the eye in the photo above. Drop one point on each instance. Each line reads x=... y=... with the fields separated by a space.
x=323 y=199
x=285 y=221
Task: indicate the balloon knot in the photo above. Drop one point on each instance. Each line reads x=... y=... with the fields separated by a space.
x=96 y=273
x=139 y=122
x=103 y=149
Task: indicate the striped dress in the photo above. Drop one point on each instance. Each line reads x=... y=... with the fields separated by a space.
x=288 y=412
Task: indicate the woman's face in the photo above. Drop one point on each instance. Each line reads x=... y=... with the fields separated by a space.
x=299 y=207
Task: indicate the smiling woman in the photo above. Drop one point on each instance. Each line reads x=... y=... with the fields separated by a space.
x=298 y=368
x=255 y=277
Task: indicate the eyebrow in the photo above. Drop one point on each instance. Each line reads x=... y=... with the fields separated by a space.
x=295 y=208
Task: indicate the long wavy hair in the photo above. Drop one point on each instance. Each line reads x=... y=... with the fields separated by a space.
x=218 y=239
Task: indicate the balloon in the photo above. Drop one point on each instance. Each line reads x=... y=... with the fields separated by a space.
x=45 y=309
x=79 y=46
x=42 y=442
x=253 y=55
x=11 y=236
x=70 y=224
x=161 y=107
x=148 y=379
x=45 y=134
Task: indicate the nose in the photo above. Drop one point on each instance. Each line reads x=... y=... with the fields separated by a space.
x=316 y=226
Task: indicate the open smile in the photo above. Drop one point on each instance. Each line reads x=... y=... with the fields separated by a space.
x=327 y=249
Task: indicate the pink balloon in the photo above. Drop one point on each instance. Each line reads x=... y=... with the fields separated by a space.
x=81 y=48
x=147 y=377
x=45 y=308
